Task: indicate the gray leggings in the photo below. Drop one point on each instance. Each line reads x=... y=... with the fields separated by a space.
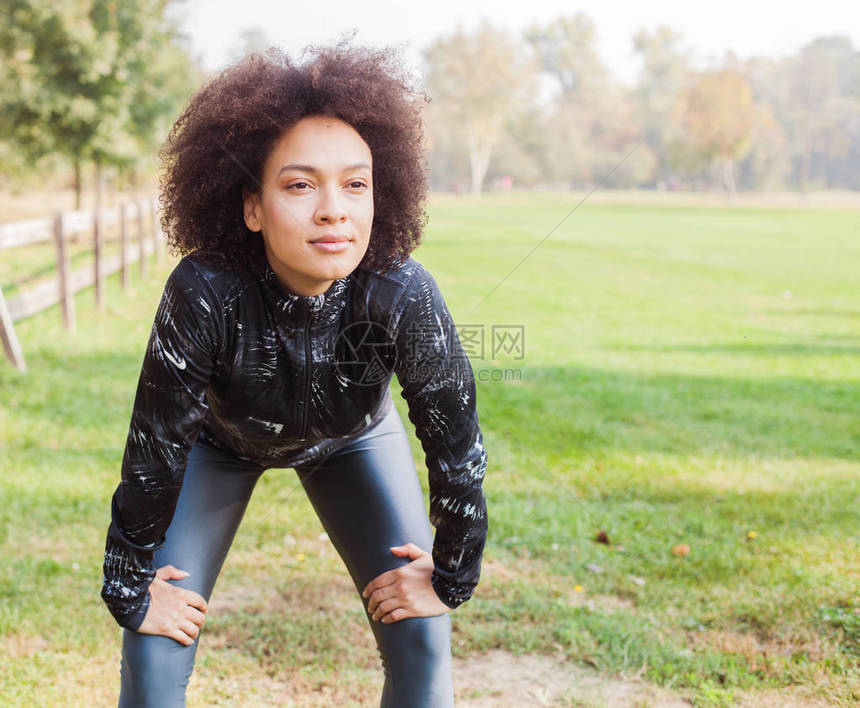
x=368 y=498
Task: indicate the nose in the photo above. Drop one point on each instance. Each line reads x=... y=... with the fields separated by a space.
x=330 y=210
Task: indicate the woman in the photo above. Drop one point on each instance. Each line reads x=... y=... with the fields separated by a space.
x=296 y=194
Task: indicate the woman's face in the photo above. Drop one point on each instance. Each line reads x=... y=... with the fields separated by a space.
x=315 y=205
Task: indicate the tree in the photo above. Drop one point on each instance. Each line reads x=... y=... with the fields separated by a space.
x=718 y=116
x=815 y=99
x=768 y=163
x=82 y=79
x=823 y=104
x=592 y=128
x=566 y=50
x=163 y=79
x=665 y=73
x=476 y=83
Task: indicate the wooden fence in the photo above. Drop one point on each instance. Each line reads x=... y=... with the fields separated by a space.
x=63 y=228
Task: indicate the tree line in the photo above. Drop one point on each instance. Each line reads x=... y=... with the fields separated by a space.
x=541 y=109
x=96 y=84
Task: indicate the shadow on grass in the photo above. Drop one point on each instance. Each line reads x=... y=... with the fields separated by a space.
x=579 y=411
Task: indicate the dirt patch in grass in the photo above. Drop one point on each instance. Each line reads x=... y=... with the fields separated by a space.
x=328 y=601
x=794 y=697
x=500 y=678
x=255 y=690
x=21 y=646
x=762 y=652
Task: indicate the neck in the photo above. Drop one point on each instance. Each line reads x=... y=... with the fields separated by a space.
x=309 y=290
x=298 y=311
x=297 y=284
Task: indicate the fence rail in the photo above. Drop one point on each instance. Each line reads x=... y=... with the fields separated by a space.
x=61 y=229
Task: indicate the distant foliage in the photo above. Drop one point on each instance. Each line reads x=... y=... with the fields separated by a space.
x=95 y=81
x=758 y=123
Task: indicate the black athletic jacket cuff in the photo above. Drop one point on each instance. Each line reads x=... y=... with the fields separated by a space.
x=439 y=386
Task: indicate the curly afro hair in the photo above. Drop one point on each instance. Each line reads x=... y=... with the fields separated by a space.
x=220 y=142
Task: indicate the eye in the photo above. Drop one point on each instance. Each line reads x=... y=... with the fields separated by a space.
x=296 y=185
x=357 y=184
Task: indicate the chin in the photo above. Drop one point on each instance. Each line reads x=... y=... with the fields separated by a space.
x=344 y=265
x=337 y=270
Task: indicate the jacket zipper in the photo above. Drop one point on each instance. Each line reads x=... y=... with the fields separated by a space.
x=308 y=375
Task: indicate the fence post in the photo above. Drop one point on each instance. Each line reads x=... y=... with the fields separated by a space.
x=99 y=251
x=141 y=235
x=10 y=339
x=123 y=246
x=67 y=294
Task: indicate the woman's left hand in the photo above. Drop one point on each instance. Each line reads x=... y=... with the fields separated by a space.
x=405 y=591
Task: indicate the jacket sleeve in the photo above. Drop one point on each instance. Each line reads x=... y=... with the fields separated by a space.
x=438 y=384
x=169 y=409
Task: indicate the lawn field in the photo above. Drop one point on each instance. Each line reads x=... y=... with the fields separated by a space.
x=686 y=378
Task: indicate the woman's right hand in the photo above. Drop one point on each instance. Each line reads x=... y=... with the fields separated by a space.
x=173 y=611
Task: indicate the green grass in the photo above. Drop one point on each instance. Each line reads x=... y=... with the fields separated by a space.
x=690 y=375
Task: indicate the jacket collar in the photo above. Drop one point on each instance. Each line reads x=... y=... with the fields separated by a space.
x=297 y=311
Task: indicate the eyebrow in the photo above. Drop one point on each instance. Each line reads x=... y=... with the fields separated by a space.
x=314 y=170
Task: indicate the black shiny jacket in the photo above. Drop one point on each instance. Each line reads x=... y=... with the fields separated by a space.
x=281 y=379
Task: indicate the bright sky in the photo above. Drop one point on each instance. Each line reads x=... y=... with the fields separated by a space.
x=747 y=27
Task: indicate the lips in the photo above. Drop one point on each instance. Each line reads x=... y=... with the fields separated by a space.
x=333 y=238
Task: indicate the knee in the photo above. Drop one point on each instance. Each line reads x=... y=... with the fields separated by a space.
x=420 y=641
x=418 y=667
x=154 y=671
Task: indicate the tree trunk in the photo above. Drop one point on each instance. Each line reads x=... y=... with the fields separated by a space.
x=478 y=162
x=99 y=184
x=77 y=164
x=728 y=166
x=804 y=170
x=481 y=144
x=132 y=183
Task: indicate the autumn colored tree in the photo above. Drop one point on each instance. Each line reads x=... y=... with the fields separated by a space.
x=718 y=116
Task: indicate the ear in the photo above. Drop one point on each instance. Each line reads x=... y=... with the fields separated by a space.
x=251 y=209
